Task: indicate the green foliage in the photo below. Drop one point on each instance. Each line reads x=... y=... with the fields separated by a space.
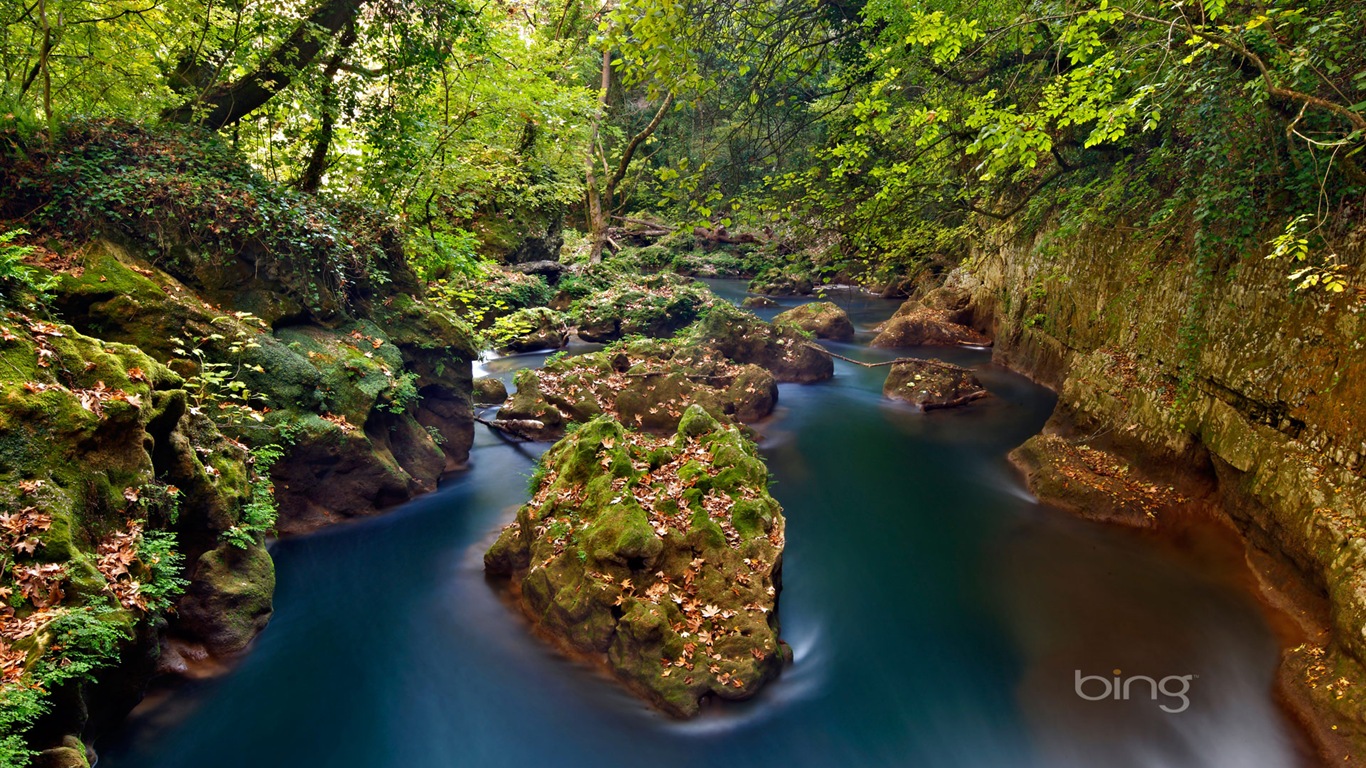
x=487 y=292
x=192 y=198
x=1326 y=273
x=80 y=642
x=217 y=388
x=256 y=518
x=402 y=394
x=163 y=583
x=20 y=283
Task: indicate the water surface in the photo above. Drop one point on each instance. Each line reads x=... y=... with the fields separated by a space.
x=938 y=617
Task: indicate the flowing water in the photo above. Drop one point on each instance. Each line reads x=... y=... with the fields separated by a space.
x=938 y=615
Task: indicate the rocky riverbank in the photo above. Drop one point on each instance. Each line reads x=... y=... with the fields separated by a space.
x=1174 y=384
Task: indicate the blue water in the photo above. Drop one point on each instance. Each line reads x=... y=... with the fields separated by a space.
x=937 y=613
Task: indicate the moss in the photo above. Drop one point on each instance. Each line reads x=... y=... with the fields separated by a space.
x=664 y=553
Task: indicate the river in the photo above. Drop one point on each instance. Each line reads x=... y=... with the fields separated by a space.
x=939 y=617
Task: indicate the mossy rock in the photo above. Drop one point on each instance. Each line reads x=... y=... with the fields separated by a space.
x=489 y=390
x=664 y=553
x=647 y=384
x=921 y=326
x=759 y=302
x=932 y=384
x=781 y=282
x=530 y=330
x=230 y=598
x=744 y=338
x=656 y=306
x=822 y=319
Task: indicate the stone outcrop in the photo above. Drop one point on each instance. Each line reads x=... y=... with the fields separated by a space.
x=645 y=384
x=822 y=319
x=744 y=338
x=932 y=384
x=915 y=325
x=106 y=459
x=659 y=557
x=1230 y=380
x=366 y=398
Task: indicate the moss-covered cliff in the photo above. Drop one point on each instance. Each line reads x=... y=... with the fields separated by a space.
x=1224 y=379
x=191 y=359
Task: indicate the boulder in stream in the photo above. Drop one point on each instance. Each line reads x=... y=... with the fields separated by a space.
x=744 y=338
x=659 y=556
x=932 y=384
x=922 y=326
x=644 y=383
x=822 y=319
x=530 y=330
x=489 y=390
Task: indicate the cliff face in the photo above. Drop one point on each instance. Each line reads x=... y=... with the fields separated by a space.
x=1233 y=381
x=133 y=507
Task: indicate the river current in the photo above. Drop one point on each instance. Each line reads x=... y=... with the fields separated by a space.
x=939 y=616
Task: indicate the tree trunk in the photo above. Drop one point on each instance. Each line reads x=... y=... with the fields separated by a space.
x=312 y=177
x=225 y=104
x=597 y=219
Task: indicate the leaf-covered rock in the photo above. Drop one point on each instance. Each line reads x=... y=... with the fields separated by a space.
x=662 y=556
x=822 y=319
x=925 y=327
x=644 y=383
x=932 y=384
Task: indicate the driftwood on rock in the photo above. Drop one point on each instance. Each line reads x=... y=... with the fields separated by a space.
x=522 y=429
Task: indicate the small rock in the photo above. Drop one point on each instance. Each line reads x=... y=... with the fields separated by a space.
x=759 y=302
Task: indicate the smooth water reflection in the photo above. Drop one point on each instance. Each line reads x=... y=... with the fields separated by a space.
x=938 y=616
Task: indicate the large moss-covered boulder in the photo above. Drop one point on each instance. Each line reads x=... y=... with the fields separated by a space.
x=644 y=383
x=932 y=384
x=922 y=326
x=662 y=555
x=656 y=306
x=530 y=330
x=822 y=319
x=744 y=338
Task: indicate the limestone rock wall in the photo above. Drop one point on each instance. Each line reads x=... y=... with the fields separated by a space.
x=1227 y=375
